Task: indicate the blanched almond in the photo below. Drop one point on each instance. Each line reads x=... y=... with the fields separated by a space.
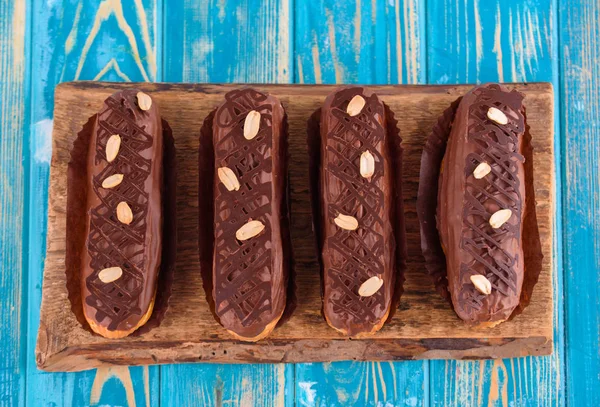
x=370 y=287
x=500 y=217
x=249 y=230
x=497 y=115
x=367 y=164
x=356 y=105
x=124 y=213
x=112 y=181
x=144 y=101
x=482 y=170
x=482 y=284
x=110 y=274
x=251 y=125
x=228 y=179
x=346 y=222
x=112 y=147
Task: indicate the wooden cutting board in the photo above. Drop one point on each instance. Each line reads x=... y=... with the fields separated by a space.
x=425 y=327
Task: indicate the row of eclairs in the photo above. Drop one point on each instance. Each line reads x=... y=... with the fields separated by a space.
x=473 y=211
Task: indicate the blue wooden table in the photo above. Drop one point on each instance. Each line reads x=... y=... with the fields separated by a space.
x=44 y=42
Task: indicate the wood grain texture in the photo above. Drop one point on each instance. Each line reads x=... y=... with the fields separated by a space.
x=223 y=41
x=580 y=110
x=79 y=39
x=478 y=41
x=359 y=41
x=482 y=41
x=228 y=41
x=366 y=42
x=362 y=384
x=465 y=41
x=228 y=385
x=14 y=108
x=424 y=327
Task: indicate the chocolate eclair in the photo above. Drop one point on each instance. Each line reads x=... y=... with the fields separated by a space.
x=251 y=234
x=122 y=255
x=481 y=201
x=356 y=204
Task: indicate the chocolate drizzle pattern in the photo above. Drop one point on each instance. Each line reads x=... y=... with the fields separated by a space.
x=244 y=268
x=497 y=146
x=110 y=243
x=355 y=255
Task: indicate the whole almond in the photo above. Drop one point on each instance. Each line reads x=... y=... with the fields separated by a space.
x=249 y=230
x=367 y=164
x=144 y=101
x=497 y=115
x=112 y=147
x=482 y=170
x=112 y=181
x=228 y=179
x=124 y=213
x=482 y=284
x=346 y=222
x=356 y=105
x=370 y=287
x=251 y=124
x=500 y=217
x=110 y=274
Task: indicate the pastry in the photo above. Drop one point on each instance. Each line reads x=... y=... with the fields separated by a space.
x=356 y=202
x=122 y=255
x=481 y=202
x=251 y=234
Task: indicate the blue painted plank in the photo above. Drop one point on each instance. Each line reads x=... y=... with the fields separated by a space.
x=361 y=42
x=14 y=107
x=265 y=385
x=473 y=41
x=508 y=41
x=580 y=92
x=80 y=39
x=362 y=384
x=219 y=41
x=237 y=41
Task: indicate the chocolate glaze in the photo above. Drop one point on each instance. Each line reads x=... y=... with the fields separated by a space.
x=349 y=258
x=136 y=247
x=465 y=204
x=250 y=277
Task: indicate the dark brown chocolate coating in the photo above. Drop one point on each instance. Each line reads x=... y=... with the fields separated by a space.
x=135 y=248
x=250 y=277
x=465 y=204
x=350 y=257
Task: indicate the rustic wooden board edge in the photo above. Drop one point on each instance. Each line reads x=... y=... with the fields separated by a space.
x=284 y=351
x=383 y=89
x=52 y=358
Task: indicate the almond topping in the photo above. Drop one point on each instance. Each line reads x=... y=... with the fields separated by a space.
x=482 y=170
x=500 y=217
x=112 y=147
x=124 y=213
x=112 y=181
x=249 y=230
x=497 y=115
x=482 y=284
x=370 y=287
x=346 y=222
x=144 y=101
x=110 y=274
x=228 y=179
x=251 y=125
x=356 y=105
x=367 y=164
